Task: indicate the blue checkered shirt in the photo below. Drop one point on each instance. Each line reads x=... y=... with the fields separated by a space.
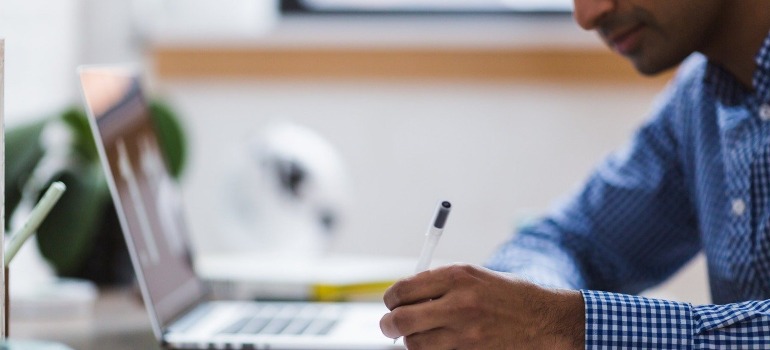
x=695 y=177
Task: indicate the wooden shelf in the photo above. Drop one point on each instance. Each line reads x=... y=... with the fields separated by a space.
x=407 y=63
x=493 y=49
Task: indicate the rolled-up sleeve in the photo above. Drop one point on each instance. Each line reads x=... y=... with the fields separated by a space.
x=619 y=321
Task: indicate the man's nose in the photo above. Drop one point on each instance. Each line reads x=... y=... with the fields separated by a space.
x=589 y=13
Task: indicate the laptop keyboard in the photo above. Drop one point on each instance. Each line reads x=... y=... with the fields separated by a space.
x=286 y=319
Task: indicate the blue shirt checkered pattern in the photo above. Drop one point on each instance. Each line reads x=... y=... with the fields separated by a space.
x=695 y=177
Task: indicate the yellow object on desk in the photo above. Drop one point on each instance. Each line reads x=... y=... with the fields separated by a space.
x=331 y=277
x=350 y=292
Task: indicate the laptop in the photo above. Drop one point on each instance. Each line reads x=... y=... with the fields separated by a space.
x=182 y=314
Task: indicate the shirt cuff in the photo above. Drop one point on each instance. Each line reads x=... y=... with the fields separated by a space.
x=619 y=321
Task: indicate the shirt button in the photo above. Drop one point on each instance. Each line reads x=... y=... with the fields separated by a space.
x=739 y=206
x=764 y=111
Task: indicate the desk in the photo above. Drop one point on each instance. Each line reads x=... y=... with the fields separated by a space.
x=118 y=321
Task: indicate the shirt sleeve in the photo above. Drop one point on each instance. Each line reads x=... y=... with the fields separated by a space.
x=619 y=321
x=630 y=226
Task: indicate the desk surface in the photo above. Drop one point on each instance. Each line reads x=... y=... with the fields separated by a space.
x=118 y=321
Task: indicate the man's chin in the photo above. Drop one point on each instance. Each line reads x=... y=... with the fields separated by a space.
x=652 y=69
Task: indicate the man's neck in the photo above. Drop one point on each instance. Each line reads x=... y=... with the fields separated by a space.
x=735 y=42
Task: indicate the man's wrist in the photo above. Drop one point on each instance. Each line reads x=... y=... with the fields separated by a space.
x=565 y=321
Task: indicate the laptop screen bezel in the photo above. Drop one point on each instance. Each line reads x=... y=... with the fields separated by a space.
x=200 y=293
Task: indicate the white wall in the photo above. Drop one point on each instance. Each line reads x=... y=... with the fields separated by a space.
x=42 y=48
x=498 y=151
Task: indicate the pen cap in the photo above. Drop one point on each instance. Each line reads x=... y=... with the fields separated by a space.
x=442 y=213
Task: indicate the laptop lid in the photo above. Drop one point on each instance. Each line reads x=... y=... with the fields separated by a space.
x=145 y=197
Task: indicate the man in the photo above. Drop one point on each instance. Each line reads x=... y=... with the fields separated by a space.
x=695 y=177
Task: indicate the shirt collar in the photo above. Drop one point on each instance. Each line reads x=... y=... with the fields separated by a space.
x=762 y=75
x=729 y=91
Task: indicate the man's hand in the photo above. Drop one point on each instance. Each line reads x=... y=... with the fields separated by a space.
x=469 y=307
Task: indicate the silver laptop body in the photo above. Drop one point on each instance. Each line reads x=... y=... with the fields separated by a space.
x=149 y=207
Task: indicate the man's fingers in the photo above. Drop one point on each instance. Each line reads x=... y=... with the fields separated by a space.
x=399 y=322
x=439 y=338
x=423 y=286
x=416 y=318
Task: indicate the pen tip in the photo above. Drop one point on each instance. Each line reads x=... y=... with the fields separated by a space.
x=441 y=214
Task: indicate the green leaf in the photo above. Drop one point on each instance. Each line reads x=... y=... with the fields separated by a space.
x=68 y=231
x=84 y=144
x=170 y=137
x=22 y=152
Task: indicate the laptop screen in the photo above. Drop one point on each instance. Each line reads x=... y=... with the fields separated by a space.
x=145 y=196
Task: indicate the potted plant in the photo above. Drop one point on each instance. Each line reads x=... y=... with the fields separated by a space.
x=81 y=237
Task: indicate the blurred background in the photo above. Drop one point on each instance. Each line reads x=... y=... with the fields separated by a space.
x=366 y=112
